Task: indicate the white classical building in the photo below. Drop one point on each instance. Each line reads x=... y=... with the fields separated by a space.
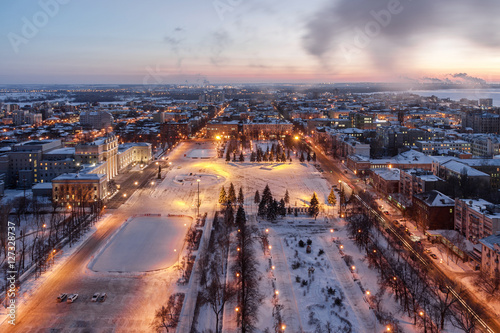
x=99 y=151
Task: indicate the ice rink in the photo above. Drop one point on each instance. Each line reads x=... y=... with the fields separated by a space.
x=144 y=244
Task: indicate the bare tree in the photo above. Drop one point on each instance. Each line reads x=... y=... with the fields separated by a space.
x=165 y=317
x=218 y=293
x=463 y=319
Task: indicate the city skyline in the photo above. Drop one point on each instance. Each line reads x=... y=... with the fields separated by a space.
x=228 y=41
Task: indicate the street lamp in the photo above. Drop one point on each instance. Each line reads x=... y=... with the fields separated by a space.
x=198 y=181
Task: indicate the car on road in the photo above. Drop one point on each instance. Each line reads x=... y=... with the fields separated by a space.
x=103 y=297
x=72 y=298
x=61 y=297
x=95 y=297
x=387 y=212
x=433 y=256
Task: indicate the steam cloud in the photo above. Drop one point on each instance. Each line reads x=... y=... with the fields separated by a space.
x=417 y=22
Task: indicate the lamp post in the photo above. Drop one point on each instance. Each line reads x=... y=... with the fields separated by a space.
x=198 y=181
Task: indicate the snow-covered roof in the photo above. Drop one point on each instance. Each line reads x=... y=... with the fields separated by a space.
x=481 y=206
x=435 y=199
x=388 y=174
x=490 y=241
x=65 y=151
x=459 y=167
x=86 y=176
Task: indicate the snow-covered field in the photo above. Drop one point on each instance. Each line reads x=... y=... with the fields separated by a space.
x=143 y=244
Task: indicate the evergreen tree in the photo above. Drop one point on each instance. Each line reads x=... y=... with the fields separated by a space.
x=288 y=154
x=282 y=208
x=272 y=210
x=314 y=206
x=228 y=156
x=256 y=198
x=287 y=197
x=314 y=157
x=283 y=157
x=267 y=196
x=252 y=157
x=241 y=218
x=241 y=199
x=262 y=208
x=231 y=194
x=308 y=157
x=229 y=215
x=332 y=200
x=234 y=157
x=302 y=159
x=222 y=196
x=242 y=157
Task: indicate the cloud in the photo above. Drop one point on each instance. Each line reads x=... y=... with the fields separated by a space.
x=386 y=30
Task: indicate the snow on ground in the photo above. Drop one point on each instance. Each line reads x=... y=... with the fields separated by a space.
x=301 y=180
x=143 y=244
x=30 y=284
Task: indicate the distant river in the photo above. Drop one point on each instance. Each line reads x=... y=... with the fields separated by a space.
x=457 y=94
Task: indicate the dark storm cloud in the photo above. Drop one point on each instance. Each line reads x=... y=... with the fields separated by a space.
x=344 y=26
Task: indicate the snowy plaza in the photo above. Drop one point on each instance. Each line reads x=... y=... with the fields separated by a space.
x=147 y=247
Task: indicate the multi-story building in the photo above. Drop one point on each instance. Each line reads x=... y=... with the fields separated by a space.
x=476 y=219
x=99 y=151
x=490 y=255
x=486 y=146
x=57 y=162
x=430 y=147
x=415 y=181
x=21 y=165
x=76 y=189
x=174 y=131
x=267 y=129
x=129 y=153
x=486 y=102
x=386 y=181
x=96 y=119
x=482 y=122
x=433 y=210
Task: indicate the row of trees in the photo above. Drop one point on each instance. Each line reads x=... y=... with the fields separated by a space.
x=422 y=296
x=43 y=228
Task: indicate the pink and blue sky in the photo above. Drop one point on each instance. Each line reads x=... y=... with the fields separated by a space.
x=233 y=41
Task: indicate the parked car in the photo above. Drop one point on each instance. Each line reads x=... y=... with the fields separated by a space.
x=61 y=297
x=387 y=212
x=72 y=298
x=103 y=297
x=433 y=256
x=95 y=297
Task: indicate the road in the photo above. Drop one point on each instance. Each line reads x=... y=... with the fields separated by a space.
x=132 y=299
x=488 y=322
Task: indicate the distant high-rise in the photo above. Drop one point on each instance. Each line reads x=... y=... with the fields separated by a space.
x=486 y=102
x=96 y=119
